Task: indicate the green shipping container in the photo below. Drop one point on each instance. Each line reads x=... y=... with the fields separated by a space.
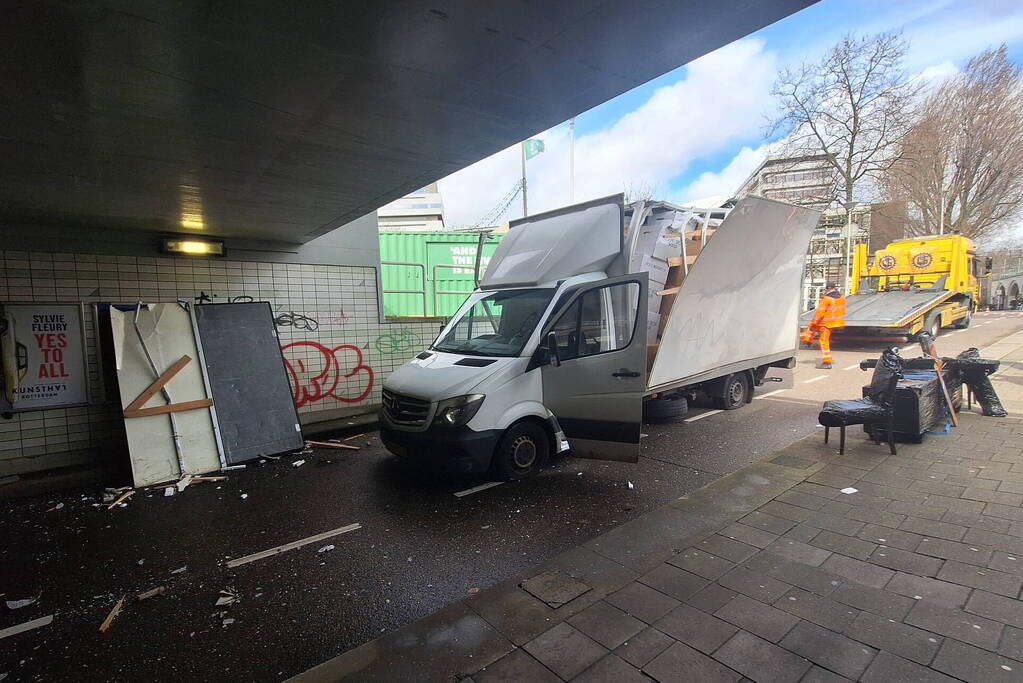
x=429 y=274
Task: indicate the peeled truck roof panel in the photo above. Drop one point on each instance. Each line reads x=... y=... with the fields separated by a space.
x=556 y=245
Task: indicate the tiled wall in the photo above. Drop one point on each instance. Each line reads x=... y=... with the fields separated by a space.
x=337 y=355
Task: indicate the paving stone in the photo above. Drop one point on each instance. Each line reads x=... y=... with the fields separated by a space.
x=903 y=560
x=760 y=660
x=874 y=516
x=913 y=510
x=757 y=618
x=924 y=588
x=818 y=490
x=819 y=675
x=1006 y=562
x=940 y=487
x=988 y=496
x=673 y=581
x=802 y=532
x=837 y=508
x=611 y=669
x=733 y=551
x=974 y=665
x=886 y=634
x=845 y=545
x=682 y=664
x=514 y=667
x=786 y=511
x=555 y=588
x=1015 y=529
x=892 y=538
x=766 y=522
x=799 y=552
x=1010 y=487
x=748 y=535
x=865 y=501
x=754 y=584
x=1012 y=643
x=892 y=493
x=997 y=607
x=955 y=623
x=996 y=524
x=971 y=481
x=934 y=528
x=873 y=600
x=606 y=624
x=564 y=650
x=841 y=525
x=644 y=646
x=861 y=572
x=793 y=462
x=807 y=577
x=979 y=537
x=953 y=550
x=820 y=610
x=889 y=668
x=701 y=563
x=990 y=580
x=1004 y=511
x=887 y=478
x=802 y=500
x=695 y=628
x=830 y=650
x=643 y=602
x=712 y=598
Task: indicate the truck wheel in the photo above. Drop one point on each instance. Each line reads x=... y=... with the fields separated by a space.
x=522 y=450
x=734 y=392
x=932 y=324
x=664 y=409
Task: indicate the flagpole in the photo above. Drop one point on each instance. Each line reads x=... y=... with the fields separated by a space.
x=525 y=210
x=571 y=161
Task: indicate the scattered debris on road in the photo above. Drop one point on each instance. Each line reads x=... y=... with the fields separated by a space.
x=58 y=506
x=179 y=570
x=18 y=604
x=228 y=596
x=244 y=496
x=123 y=497
x=298 y=463
x=105 y=626
x=325 y=549
x=169 y=491
x=330 y=444
x=849 y=490
x=293 y=545
x=27 y=626
x=152 y=593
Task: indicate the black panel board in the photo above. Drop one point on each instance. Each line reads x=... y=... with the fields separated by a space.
x=251 y=394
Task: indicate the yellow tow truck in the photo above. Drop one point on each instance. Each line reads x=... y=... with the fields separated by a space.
x=912 y=285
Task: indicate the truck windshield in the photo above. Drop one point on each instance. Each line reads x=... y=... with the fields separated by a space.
x=495 y=323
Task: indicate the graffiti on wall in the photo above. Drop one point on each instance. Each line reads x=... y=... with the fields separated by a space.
x=402 y=341
x=319 y=372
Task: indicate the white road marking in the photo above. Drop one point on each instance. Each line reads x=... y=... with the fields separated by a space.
x=702 y=415
x=909 y=348
x=477 y=489
x=815 y=379
x=294 y=544
x=852 y=367
x=27 y=626
x=770 y=393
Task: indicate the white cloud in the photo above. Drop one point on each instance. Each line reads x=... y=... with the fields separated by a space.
x=727 y=180
x=721 y=100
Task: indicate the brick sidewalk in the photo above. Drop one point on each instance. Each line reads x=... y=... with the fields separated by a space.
x=771 y=574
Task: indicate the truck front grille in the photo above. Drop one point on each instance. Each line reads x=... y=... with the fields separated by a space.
x=405 y=410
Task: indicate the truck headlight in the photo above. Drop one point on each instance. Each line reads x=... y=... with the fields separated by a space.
x=455 y=412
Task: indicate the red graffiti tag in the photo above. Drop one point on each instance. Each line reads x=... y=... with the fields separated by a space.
x=337 y=373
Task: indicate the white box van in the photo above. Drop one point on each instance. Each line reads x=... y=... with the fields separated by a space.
x=552 y=352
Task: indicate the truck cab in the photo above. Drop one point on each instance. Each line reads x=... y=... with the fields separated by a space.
x=552 y=351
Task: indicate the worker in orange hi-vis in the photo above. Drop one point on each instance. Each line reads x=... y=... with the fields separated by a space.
x=829 y=315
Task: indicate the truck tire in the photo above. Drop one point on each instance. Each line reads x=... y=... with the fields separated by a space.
x=932 y=324
x=733 y=393
x=521 y=451
x=664 y=409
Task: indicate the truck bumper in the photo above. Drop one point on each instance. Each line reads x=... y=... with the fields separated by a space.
x=458 y=451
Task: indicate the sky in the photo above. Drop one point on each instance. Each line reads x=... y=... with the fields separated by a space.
x=700 y=130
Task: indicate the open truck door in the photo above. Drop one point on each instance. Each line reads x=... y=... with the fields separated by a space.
x=596 y=375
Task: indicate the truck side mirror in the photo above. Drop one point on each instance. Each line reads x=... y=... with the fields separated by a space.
x=552 y=349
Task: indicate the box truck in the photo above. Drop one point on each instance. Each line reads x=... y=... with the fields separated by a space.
x=590 y=313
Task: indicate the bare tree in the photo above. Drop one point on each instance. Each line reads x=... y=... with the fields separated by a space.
x=636 y=191
x=961 y=165
x=852 y=107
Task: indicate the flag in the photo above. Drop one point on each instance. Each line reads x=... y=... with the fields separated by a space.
x=532 y=148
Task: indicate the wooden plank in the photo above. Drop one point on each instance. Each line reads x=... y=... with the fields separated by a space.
x=331 y=444
x=123 y=497
x=671 y=290
x=158 y=383
x=170 y=408
x=113 y=613
x=27 y=626
x=291 y=546
x=675 y=261
x=698 y=234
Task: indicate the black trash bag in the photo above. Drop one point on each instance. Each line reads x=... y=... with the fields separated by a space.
x=874 y=407
x=976 y=377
